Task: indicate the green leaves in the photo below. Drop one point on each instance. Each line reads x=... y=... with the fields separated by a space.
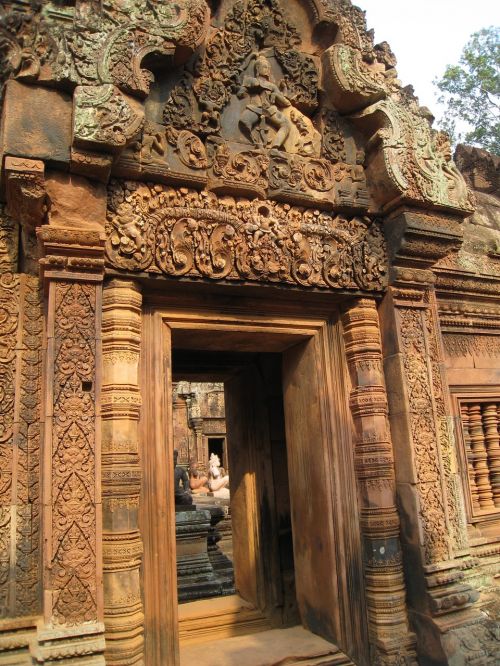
x=471 y=92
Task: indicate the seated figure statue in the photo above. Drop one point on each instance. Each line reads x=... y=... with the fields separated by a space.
x=198 y=482
x=181 y=484
x=218 y=484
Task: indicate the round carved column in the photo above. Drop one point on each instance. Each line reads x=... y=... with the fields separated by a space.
x=122 y=544
x=374 y=464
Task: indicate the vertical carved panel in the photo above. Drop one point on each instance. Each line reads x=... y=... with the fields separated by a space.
x=73 y=542
x=9 y=326
x=20 y=364
x=26 y=577
x=374 y=463
x=123 y=613
x=434 y=530
x=431 y=432
x=71 y=467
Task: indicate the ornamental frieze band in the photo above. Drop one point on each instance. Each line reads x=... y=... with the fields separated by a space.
x=181 y=232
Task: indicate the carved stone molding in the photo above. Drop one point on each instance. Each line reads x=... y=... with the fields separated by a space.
x=462 y=316
x=122 y=544
x=374 y=464
x=418 y=239
x=177 y=232
x=72 y=522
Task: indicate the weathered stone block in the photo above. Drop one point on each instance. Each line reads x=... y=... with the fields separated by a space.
x=75 y=201
x=36 y=123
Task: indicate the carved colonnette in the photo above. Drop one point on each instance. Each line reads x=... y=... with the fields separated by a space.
x=392 y=641
x=122 y=544
x=72 y=627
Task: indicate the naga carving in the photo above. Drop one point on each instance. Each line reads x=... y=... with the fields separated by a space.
x=188 y=233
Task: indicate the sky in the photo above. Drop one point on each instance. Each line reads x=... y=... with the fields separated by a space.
x=427 y=35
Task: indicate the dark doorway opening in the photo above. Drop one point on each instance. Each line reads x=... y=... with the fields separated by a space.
x=216 y=446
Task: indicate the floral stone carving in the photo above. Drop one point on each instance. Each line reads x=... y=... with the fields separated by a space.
x=182 y=232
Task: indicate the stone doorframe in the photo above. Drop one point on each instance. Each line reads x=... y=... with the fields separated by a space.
x=362 y=592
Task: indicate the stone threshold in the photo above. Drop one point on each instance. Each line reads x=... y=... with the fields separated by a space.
x=275 y=647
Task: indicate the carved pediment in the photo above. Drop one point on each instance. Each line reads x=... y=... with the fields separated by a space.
x=278 y=100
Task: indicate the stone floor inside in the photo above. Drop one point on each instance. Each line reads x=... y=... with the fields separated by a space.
x=275 y=647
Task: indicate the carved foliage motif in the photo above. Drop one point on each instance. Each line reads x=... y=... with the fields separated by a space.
x=73 y=466
x=105 y=44
x=20 y=367
x=415 y=161
x=183 y=232
x=9 y=308
x=432 y=436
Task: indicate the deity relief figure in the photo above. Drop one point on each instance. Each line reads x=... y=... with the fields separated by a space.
x=268 y=108
x=217 y=482
x=263 y=109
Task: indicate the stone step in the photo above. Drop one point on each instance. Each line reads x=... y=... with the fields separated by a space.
x=275 y=647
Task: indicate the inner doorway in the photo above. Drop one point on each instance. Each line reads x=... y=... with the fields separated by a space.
x=327 y=560
x=257 y=502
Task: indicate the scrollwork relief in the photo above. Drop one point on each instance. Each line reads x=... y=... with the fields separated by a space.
x=184 y=232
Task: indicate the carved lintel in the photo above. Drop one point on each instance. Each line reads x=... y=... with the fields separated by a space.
x=25 y=190
x=184 y=232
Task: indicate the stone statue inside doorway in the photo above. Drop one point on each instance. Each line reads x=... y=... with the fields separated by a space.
x=181 y=484
x=198 y=482
x=217 y=482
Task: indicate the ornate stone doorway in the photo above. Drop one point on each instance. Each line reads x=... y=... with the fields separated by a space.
x=328 y=567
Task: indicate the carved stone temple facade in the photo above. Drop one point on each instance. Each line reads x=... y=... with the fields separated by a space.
x=240 y=191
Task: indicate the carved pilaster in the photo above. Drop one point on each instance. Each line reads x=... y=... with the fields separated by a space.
x=72 y=630
x=429 y=491
x=122 y=545
x=385 y=588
